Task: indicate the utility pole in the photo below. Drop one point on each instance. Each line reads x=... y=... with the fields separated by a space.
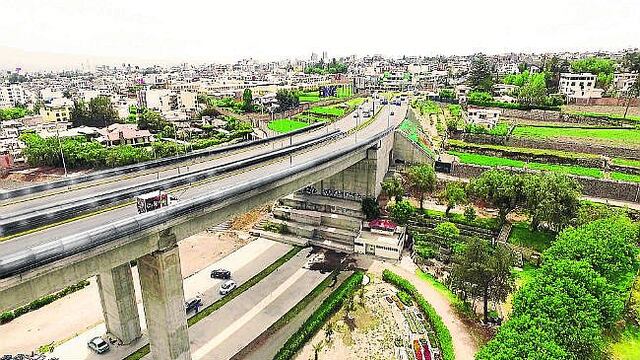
x=64 y=164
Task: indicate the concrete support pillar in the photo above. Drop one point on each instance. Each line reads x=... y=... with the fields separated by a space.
x=118 y=299
x=163 y=298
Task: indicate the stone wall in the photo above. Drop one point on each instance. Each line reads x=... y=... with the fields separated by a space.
x=611 y=151
x=601 y=188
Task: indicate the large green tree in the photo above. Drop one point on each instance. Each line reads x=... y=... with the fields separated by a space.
x=98 y=113
x=551 y=198
x=247 y=100
x=534 y=90
x=501 y=189
x=454 y=194
x=422 y=179
x=151 y=120
x=393 y=187
x=484 y=272
x=481 y=73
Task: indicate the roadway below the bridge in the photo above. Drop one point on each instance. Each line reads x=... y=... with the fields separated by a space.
x=91 y=222
x=74 y=314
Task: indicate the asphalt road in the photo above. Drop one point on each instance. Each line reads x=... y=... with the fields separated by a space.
x=244 y=264
x=91 y=222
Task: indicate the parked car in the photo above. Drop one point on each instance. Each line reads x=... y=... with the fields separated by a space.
x=220 y=274
x=227 y=287
x=192 y=304
x=98 y=345
x=392 y=113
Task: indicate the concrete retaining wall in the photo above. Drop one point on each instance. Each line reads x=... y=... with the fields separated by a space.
x=407 y=151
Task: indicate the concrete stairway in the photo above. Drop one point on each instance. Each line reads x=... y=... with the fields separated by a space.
x=314 y=220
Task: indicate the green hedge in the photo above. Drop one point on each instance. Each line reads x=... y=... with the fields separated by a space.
x=7 y=316
x=315 y=322
x=442 y=332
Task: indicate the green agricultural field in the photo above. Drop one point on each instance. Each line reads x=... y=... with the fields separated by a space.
x=625 y=177
x=286 y=125
x=493 y=161
x=355 y=102
x=327 y=111
x=627 y=162
x=617 y=136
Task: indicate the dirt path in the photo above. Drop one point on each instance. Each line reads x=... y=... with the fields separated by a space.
x=463 y=343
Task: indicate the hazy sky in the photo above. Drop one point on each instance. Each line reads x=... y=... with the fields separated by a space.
x=204 y=31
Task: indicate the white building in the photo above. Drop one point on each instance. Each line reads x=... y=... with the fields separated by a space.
x=579 y=86
x=12 y=95
x=623 y=81
x=483 y=117
x=384 y=244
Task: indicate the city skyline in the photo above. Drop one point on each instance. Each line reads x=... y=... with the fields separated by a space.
x=116 y=32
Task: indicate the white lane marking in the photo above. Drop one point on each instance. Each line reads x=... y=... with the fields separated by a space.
x=248 y=316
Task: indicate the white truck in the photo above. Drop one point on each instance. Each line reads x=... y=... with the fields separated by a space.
x=154 y=201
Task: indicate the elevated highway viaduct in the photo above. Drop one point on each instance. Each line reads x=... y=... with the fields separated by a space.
x=104 y=244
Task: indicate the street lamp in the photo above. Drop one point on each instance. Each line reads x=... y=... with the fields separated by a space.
x=64 y=164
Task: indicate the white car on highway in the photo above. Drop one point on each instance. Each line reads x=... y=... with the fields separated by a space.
x=227 y=287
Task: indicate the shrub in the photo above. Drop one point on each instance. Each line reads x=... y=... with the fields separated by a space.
x=470 y=213
x=275 y=227
x=370 y=208
x=405 y=298
x=401 y=212
x=315 y=322
x=443 y=336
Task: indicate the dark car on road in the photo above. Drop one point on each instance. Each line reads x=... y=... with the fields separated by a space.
x=220 y=274
x=192 y=304
x=98 y=345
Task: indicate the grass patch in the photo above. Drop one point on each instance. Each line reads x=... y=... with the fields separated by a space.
x=627 y=345
x=224 y=300
x=522 y=235
x=286 y=125
x=625 y=177
x=485 y=223
x=327 y=111
x=626 y=162
x=620 y=136
x=355 y=102
x=415 y=134
x=485 y=160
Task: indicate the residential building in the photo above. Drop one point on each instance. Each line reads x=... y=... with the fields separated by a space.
x=124 y=134
x=483 y=117
x=55 y=113
x=623 y=81
x=579 y=86
x=12 y=95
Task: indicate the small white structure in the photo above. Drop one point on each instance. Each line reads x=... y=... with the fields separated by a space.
x=385 y=244
x=484 y=117
x=579 y=86
x=461 y=92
